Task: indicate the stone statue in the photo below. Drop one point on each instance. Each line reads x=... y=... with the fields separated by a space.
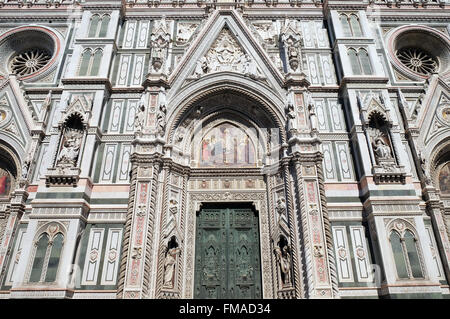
x=201 y=67
x=249 y=67
x=140 y=114
x=313 y=116
x=423 y=166
x=169 y=266
x=25 y=168
x=284 y=260
x=281 y=206
x=381 y=149
x=45 y=106
x=160 y=39
x=71 y=147
x=291 y=39
x=290 y=112
x=161 y=118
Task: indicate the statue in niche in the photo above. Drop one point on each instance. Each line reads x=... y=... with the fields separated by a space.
x=25 y=168
x=423 y=166
x=290 y=112
x=291 y=39
x=161 y=116
x=169 y=266
x=281 y=207
x=283 y=257
x=71 y=147
x=160 y=39
x=381 y=149
x=313 y=121
x=140 y=114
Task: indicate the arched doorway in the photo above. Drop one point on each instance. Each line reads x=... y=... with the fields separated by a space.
x=228 y=139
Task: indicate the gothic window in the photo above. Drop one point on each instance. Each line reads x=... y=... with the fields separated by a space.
x=359 y=61
x=355 y=25
x=350 y=25
x=418 y=60
x=345 y=25
x=354 y=62
x=47 y=253
x=29 y=61
x=99 y=26
x=90 y=62
x=406 y=254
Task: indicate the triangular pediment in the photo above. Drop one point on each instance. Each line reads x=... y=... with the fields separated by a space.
x=13 y=126
x=440 y=123
x=225 y=44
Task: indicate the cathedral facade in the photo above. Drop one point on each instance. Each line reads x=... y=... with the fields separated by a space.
x=224 y=149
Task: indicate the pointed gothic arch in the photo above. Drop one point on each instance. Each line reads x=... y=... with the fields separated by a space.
x=189 y=101
x=248 y=114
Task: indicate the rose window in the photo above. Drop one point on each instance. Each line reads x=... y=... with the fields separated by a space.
x=418 y=60
x=29 y=62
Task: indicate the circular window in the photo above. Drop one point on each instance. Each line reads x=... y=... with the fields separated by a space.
x=417 y=60
x=29 y=62
x=419 y=51
x=29 y=52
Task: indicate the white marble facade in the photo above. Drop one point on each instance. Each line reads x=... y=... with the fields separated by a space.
x=120 y=121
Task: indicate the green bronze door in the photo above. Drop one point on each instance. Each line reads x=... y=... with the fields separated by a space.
x=227 y=260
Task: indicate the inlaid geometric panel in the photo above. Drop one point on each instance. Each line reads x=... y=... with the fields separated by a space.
x=342 y=254
x=111 y=259
x=360 y=253
x=93 y=253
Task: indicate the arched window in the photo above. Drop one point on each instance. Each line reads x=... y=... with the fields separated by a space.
x=355 y=26
x=96 y=62
x=38 y=264
x=399 y=257
x=350 y=25
x=406 y=254
x=99 y=26
x=354 y=61
x=95 y=19
x=413 y=255
x=90 y=62
x=85 y=61
x=345 y=25
x=360 y=62
x=104 y=26
x=47 y=256
x=365 y=61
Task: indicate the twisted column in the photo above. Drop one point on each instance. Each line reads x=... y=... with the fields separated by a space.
x=293 y=232
x=327 y=228
x=304 y=238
